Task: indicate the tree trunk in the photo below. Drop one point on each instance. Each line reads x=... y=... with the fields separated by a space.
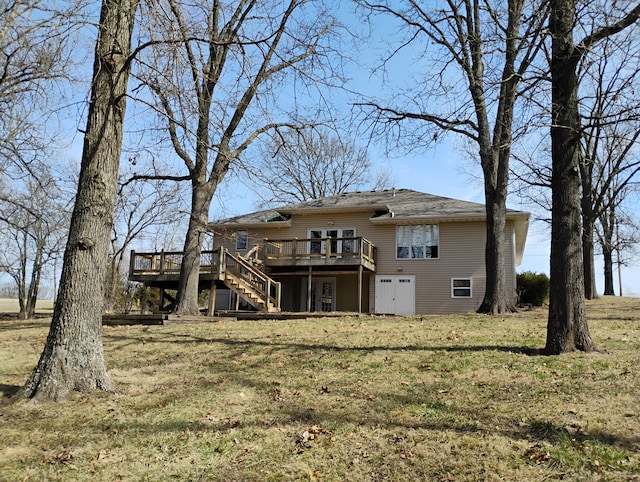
x=607 y=254
x=588 y=256
x=567 y=327
x=495 y=156
x=496 y=299
x=73 y=357
x=34 y=284
x=187 y=296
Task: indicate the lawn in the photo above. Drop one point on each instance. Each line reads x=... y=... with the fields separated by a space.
x=442 y=398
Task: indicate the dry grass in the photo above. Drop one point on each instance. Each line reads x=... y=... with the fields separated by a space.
x=421 y=398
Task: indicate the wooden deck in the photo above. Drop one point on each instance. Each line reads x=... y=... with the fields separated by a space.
x=164 y=266
x=345 y=252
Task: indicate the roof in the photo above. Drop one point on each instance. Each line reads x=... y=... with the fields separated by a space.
x=391 y=206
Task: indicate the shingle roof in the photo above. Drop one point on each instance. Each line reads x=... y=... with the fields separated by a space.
x=388 y=205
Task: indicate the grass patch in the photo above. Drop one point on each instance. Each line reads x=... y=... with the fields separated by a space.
x=371 y=398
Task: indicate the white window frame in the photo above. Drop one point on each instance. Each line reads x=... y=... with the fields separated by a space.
x=242 y=239
x=410 y=251
x=454 y=288
x=323 y=235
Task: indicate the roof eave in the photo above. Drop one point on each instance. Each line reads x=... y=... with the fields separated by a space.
x=425 y=219
x=264 y=224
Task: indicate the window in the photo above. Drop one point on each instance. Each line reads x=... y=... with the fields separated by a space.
x=242 y=240
x=461 y=287
x=417 y=242
x=348 y=245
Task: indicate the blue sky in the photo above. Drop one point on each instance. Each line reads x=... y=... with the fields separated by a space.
x=441 y=169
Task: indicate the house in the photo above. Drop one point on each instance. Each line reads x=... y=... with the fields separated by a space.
x=393 y=251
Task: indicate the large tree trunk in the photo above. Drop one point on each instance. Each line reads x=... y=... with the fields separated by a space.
x=496 y=298
x=187 y=296
x=567 y=327
x=73 y=357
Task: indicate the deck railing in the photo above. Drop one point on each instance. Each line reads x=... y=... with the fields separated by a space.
x=348 y=248
x=168 y=262
x=346 y=251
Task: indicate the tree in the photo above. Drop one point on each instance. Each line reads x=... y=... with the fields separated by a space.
x=141 y=207
x=611 y=118
x=36 y=218
x=35 y=41
x=618 y=233
x=490 y=47
x=215 y=71
x=567 y=327
x=310 y=164
x=73 y=357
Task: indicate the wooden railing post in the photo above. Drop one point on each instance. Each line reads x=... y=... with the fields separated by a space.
x=132 y=261
x=294 y=248
x=267 y=294
x=220 y=261
x=161 y=268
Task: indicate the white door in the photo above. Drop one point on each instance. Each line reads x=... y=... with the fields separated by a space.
x=395 y=294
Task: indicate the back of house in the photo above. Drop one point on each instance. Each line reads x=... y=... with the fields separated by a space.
x=388 y=252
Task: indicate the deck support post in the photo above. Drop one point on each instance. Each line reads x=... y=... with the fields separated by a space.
x=212 y=299
x=360 y=288
x=309 y=290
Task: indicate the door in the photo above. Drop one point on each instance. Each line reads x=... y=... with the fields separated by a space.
x=316 y=246
x=395 y=294
x=323 y=297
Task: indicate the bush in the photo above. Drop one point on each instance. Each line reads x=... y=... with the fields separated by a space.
x=533 y=288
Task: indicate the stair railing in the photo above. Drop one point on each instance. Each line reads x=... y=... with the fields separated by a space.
x=244 y=270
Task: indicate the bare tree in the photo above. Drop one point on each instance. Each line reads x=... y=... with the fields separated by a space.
x=300 y=165
x=216 y=72
x=617 y=233
x=35 y=217
x=36 y=55
x=611 y=118
x=141 y=207
x=567 y=327
x=73 y=357
x=477 y=54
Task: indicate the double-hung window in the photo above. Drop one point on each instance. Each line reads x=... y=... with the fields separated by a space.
x=419 y=241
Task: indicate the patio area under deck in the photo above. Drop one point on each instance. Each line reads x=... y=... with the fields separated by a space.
x=317 y=258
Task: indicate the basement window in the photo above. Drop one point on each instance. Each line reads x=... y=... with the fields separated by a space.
x=461 y=288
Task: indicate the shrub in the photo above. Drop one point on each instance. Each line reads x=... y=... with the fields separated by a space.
x=533 y=288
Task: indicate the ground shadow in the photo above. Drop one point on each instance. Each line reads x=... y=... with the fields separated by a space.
x=187 y=338
x=8 y=391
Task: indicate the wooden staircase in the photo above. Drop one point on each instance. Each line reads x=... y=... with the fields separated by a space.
x=249 y=282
